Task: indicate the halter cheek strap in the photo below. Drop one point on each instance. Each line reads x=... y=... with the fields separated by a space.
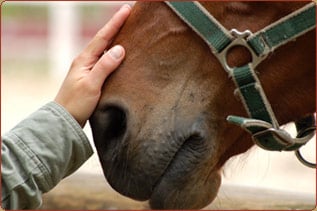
x=262 y=123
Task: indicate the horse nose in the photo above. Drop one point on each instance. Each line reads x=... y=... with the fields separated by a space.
x=109 y=124
x=117 y=122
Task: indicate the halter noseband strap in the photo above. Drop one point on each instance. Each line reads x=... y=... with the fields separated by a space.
x=262 y=124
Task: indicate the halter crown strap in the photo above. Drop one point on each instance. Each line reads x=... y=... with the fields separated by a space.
x=284 y=30
x=203 y=23
x=262 y=124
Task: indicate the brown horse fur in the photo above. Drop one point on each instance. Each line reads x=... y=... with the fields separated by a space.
x=160 y=127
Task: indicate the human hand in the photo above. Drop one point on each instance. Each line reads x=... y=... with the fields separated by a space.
x=81 y=89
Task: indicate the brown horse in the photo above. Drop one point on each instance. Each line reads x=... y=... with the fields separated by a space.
x=160 y=127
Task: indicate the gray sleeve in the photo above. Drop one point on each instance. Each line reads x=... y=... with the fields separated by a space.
x=36 y=154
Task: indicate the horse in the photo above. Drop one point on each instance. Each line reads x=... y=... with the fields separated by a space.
x=160 y=126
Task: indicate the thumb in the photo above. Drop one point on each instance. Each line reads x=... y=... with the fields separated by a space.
x=107 y=64
x=116 y=52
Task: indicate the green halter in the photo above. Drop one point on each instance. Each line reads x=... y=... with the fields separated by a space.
x=262 y=123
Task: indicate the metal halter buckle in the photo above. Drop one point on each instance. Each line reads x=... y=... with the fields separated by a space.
x=240 y=39
x=284 y=138
x=281 y=136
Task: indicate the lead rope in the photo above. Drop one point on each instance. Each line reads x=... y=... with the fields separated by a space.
x=262 y=124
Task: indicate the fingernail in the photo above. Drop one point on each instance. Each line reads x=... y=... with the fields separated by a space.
x=116 y=52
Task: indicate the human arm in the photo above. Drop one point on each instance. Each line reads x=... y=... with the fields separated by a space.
x=37 y=153
x=50 y=144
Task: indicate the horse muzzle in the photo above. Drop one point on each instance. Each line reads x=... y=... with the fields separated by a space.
x=157 y=164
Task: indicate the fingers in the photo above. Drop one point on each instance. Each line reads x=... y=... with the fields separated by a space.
x=115 y=23
x=103 y=37
x=107 y=64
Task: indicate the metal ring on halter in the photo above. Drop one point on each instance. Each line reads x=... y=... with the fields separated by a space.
x=303 y=160
x=239 y=39
x=298 y=153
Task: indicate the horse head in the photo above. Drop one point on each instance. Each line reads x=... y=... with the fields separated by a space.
x=160 y=127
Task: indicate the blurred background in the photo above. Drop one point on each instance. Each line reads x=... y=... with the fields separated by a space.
x=38 y=43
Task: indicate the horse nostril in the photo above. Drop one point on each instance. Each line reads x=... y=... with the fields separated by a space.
x=116 y=122
x=108 y=123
